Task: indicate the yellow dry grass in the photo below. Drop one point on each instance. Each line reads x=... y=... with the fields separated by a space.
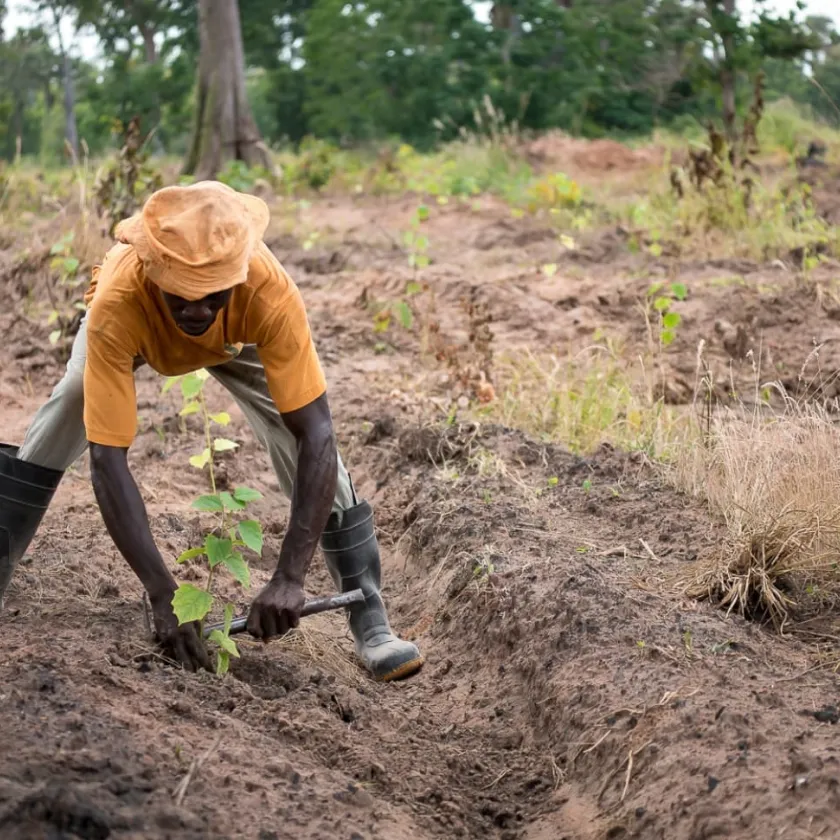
x=775 y=482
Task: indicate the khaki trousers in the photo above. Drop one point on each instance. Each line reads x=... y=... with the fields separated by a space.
x=56 y=437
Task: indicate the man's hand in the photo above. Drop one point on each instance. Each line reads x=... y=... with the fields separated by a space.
x=182 y=643
x=276 y=610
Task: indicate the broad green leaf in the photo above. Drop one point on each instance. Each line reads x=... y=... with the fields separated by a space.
x=200 y=461
x=413 y=288
x=667 y=337
x=421 y=243
x=251 y=532
x=71 y=265
x=222 y=418
x=191 y=407
x=224 y=445
x=222 y=662
x=246 y=494
x=661 y=304
x=217 y=550
x=208 y=504
x=422 y=213
x=230 y=503
x=170 y=381
x=55 y=335
x=190 y=554
x=679 y=290
x=229 y=613
x=421 y=261
x=191 y=386
x=189 y=603
x=404 y=314
x=224 y=642
x=671 y=320
x=236 y=565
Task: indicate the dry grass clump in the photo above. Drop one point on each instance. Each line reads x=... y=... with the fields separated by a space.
x=776 y=484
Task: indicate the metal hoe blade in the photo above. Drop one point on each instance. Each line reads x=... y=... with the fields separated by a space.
x=311 y=607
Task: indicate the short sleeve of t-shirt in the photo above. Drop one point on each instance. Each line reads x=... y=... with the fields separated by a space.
x=110 y=413
x=286 y=349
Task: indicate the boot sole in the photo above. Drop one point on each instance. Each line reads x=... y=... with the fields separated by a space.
x=405 y=670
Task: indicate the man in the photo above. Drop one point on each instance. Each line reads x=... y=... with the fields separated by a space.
x=192 y=285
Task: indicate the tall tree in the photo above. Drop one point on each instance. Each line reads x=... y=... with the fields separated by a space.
x=224 y=127
x=56 y=13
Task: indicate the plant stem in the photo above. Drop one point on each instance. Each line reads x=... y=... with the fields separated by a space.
x=208 y=437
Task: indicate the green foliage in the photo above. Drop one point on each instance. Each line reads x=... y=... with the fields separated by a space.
x=230 y=536
x=660 y=301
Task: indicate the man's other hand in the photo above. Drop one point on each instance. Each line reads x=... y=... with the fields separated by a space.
x=276 y=610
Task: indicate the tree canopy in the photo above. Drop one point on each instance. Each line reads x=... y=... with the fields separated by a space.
x=355 y=72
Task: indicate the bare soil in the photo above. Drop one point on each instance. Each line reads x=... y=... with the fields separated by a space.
x=567 y=692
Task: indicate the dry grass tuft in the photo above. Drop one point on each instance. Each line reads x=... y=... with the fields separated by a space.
x=323 y=641
x=776 y=484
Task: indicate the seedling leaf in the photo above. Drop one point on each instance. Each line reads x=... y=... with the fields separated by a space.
x=55 y=335
x=668 y=337
x=222 y=662
x=251 y=532
x=413 y=288
x=224 y=642
x=208 y=504
x=189 y=603
x=222 y=418
x=190 y=554
x=217 y=550
x=671 y=320
x=224 y=445
x=404 y=315
x=246 y=494
x=229 y=610
x=231 y=503
x=200 y=461
x=236 y=565
x=170 y=381
x=192 y=407
x=661 y=304
x=679 y=290
x=191 y=386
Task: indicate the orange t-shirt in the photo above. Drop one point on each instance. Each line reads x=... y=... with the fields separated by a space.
x=127 y=319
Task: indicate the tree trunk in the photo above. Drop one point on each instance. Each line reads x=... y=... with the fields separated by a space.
x=71 y=133
x=225 y=128
x=148 y=33
x=727 y=78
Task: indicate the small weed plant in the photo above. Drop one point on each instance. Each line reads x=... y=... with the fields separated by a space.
x=232 y=532
x=661 y=318
x=416 y=245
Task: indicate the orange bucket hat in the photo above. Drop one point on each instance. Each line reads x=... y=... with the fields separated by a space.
x=196 y=240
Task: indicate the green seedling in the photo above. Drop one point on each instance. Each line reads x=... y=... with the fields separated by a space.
x=661 y=299
x=231 y=534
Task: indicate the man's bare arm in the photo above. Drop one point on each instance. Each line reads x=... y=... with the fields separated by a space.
x=277 y=607
x=127 y=522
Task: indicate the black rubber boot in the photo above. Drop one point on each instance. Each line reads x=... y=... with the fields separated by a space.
x=26 y=491
x=352 y=555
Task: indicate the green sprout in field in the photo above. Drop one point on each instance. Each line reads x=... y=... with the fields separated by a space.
x=232 y=533
x=661 y=299
x=417 y=245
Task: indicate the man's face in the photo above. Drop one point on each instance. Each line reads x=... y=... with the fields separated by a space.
x=195 y=317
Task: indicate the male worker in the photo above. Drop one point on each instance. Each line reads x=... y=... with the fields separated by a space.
x=192 y=285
